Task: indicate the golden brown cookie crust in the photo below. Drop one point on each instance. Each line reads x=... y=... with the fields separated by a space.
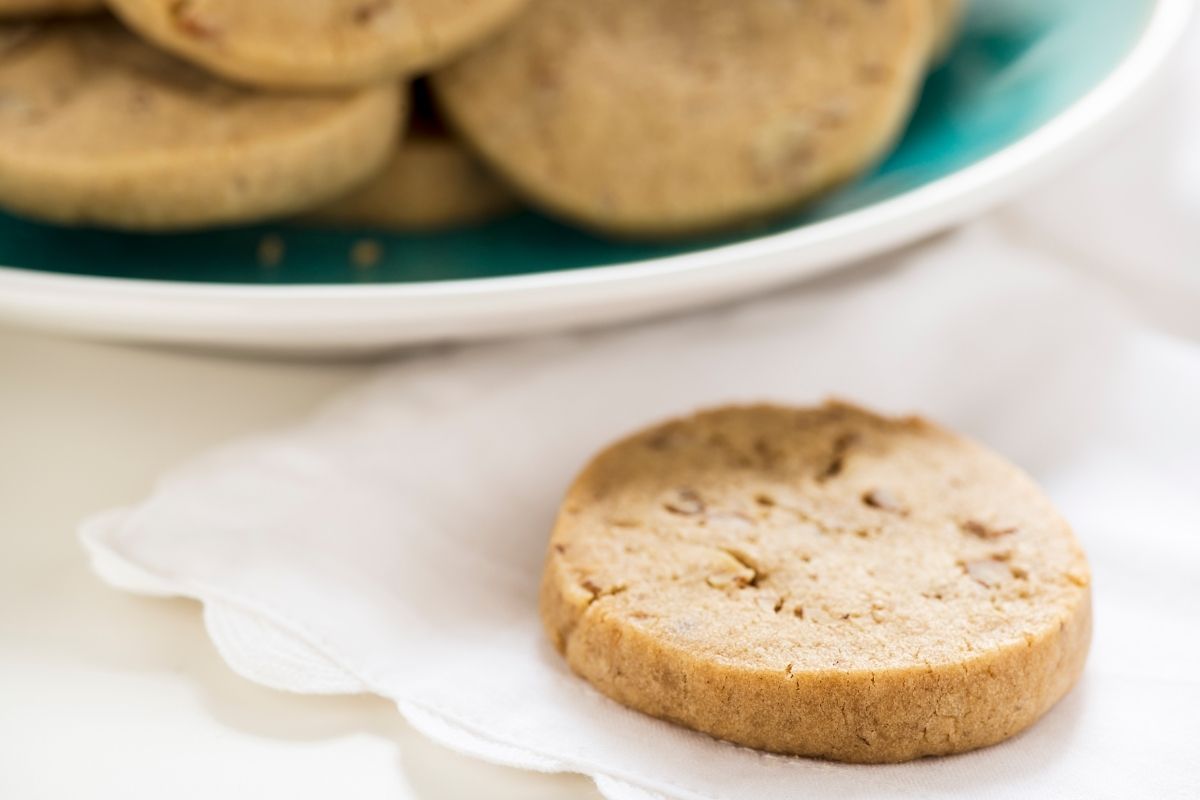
x=662 y=117
x=99 y=128
x=315 y=43
x=821 y=582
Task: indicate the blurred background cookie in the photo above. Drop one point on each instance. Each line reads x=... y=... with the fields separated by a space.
x=97 y=127
x=431 y=182
x=650 y=117
x=299 y=43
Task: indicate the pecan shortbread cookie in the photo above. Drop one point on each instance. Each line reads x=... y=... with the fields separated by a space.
x=820 y=582
x=311 y=43
x=431 y=182
x=661 y=117
x=97 y=127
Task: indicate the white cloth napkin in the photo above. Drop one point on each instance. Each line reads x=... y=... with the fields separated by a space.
x=393 y=544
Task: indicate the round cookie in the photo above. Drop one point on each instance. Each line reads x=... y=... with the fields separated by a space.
x=315 y=43
x=431 y=182
x=819 y=582
x=661 y=117
x=97 y=127
x=11 y=9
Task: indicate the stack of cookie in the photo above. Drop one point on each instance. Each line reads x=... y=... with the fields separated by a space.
x=628 y=117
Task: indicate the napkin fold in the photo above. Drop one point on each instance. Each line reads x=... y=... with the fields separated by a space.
x=393 y=543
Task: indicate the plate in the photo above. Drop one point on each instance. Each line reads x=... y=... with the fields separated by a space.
x=1029 y=85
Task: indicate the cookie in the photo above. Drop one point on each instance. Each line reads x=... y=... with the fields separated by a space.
x=661 y=117
x=98 y=128
x=431 y=182
x=820 y=582
x=315 y=43
x=947 y=19
x=10 y=9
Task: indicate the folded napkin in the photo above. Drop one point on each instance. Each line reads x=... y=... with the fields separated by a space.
x=393 y=543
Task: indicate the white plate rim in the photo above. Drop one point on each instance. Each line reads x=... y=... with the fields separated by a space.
x=373 y=314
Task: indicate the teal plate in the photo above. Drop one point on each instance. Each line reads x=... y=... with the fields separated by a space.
x=1026 y=82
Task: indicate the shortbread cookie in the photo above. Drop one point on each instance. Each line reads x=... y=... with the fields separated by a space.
x=431 y=182
x=821 y=582
x=313 y=43
x=10 y=9
x=651 y=117
x=98 y=128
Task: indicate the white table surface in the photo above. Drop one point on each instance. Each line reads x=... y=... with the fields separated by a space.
x=107 y=695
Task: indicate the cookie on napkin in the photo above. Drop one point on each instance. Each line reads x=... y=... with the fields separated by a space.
x=821 y=582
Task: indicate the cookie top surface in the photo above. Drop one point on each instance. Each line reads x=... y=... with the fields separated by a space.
x=668 y=116
x=315 y=42
x=812 y=540
x=91 y=92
